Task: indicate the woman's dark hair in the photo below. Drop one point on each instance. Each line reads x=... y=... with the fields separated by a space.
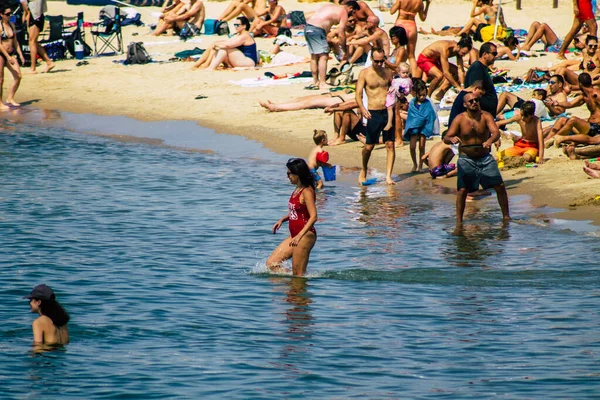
x=244 y=21
x=400 y=33
x=591 y=38
x=465 y=41
x=511 y=41
x=53 y=310
x=486 y=2
x=298 y=166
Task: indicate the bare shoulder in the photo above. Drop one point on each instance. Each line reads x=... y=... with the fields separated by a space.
x=42 y=322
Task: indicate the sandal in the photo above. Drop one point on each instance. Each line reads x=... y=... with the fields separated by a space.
x=312 y=87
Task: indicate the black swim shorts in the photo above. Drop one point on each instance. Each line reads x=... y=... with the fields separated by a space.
x=375 y=125
x=37 y=22
x=594 y=129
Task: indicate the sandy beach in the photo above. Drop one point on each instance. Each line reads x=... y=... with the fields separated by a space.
x=167 y=91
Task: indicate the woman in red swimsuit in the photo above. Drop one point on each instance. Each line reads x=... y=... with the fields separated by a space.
x=301 y=219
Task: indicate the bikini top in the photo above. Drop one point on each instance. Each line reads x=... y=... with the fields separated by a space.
x=591 y=65
x=3 y=35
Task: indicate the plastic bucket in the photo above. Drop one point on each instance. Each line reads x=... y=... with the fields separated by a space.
x=329 y=173
x=78 y=50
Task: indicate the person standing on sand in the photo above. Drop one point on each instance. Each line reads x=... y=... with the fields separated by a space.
x=376 y=81
x=301 y=219
x=407 y=12
x=51 y=325
x=34 y=15
x=475 y=131
x=9 y=48
x=478 y=71
x=583 y=12
x=315 y=32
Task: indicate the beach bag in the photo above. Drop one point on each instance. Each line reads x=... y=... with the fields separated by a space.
x=222 y=28
x=297 y=19
x=187 y=31
x=284 y=31
x=487 y=33
x=137 y=54
x=210 y=26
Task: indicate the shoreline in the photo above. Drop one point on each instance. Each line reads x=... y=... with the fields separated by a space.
x=165 y=92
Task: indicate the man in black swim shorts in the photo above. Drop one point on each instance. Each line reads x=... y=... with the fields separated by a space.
x=475 y=131
x=375 y=81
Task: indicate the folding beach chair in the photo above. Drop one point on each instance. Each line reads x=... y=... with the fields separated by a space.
x=53 y=42
x=77 y=33
x=107 y=35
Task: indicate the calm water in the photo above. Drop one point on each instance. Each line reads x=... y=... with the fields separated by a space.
x=158 y=255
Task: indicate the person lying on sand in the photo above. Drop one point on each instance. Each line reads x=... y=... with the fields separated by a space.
x=324 y=100
x=593 y=170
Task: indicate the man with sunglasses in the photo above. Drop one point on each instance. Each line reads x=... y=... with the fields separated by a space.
x=475 y=131
x=478 y=71
x=352 y=31
x=375 y=82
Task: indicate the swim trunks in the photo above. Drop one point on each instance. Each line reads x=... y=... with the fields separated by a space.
x=316 y=39
x=554 y=48
x=426 y=63
x=375 y=125
x=473 y=172
x=521 y=148
x=441 y=170
x=594 y=129
x=315 y=174
x=586 y=12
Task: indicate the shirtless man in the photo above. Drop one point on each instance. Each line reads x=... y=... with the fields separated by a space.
x=362 y=14
x=315 y=32
x=476 y=131
x=374 y=37
x=407 y=11
x=188 y=11
x=531 y=144
x=352 y=31
x=376 y=81
x=585 y=129
x=433 y=61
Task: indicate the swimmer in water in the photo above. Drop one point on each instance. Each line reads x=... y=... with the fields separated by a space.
x=301 y=219
x=50 y=328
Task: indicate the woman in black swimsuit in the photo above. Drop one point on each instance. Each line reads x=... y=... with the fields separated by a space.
x=8 y=50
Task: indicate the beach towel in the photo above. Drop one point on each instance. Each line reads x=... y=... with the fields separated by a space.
x=263 y=81
x=421 y=120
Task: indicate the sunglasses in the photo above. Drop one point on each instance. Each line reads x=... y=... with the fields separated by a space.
x=494 y=53
x=473 y=101
x=378 y=61
x=552 y=82
x=8 y=14
x=237 y=25
x=592 y=46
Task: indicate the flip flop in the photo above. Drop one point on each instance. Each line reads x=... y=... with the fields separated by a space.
x=369 y=182
x=200 y=97
x=312 y=87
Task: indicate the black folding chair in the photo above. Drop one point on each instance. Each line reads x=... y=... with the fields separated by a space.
x=53 y=42
x=107 y=35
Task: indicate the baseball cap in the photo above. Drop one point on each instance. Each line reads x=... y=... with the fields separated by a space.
x=42 y=292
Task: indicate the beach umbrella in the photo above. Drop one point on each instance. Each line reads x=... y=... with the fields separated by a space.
x=497 y=18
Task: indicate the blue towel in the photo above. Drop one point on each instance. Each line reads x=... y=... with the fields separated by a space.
x=420 y=120
x=556 y=117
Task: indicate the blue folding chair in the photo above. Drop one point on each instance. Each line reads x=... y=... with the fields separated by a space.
x=107 y=35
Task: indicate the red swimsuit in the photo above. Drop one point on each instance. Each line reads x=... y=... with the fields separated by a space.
x=298 y=216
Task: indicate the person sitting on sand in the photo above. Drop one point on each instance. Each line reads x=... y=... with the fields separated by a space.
x=9 y=48
x=352 y=30
x=589 y=62
x=555 y=96
x=34 y=15
x=433 y=61
x=438 y=159
x=583 y=13
x=542 y=31
x=515 y=103
x=238 y=51
x=531 y=144
x=592 y=170
x=270 y=20
x=511 y=44
x=585 y=129
x=346 y=122
x=488 y=11
x=189 y=12
x=407 y=13
x=249 y=8
x=318 y=157
x=362 y=13
x=308 y=102
x=373 y=36
x=51 y=325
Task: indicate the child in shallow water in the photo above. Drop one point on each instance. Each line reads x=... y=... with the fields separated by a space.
x=318 y=157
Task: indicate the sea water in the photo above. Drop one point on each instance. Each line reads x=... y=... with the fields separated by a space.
x=158 y=253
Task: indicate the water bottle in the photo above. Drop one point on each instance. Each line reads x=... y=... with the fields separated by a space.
x=78 y=49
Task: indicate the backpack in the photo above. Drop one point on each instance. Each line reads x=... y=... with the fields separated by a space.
x=137 y=54
x=222 y=28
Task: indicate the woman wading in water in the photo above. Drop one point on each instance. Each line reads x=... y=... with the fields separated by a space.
x=301 y=219
x=51 y=325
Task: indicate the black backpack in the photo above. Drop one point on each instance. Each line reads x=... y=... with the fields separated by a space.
x=222 y=28
x=297 y=19
x=137 y=54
